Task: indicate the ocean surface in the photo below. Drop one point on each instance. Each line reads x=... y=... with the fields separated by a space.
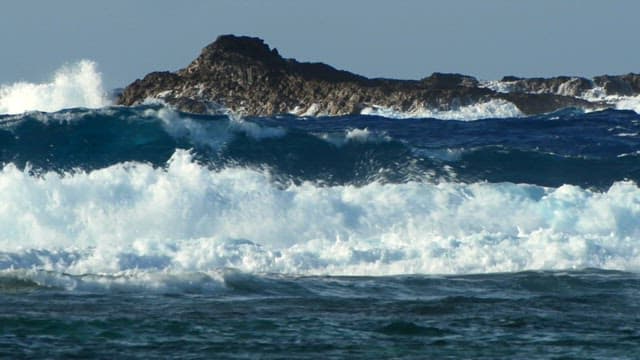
x=476 y=233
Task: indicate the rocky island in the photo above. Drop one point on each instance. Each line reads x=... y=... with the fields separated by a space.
x=244 y=75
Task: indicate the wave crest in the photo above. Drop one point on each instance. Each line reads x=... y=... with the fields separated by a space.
x=186 y=218
x=496 y=108
x=75 y=85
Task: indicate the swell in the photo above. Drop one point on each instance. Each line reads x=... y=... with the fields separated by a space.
x=589 y=150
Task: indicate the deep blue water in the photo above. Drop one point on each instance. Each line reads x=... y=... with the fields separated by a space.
x=568 y=147
x=144 y=232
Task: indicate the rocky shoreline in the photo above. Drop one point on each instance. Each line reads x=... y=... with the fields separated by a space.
x=244 y=75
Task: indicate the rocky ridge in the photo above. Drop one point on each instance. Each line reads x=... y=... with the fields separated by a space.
x=246 y=76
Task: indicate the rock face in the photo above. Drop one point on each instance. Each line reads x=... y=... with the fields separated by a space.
x=246 y=76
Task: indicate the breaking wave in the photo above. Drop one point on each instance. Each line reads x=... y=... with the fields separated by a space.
x=75 y=85
x=496 y=108
x=139 y=223
x=570 y=87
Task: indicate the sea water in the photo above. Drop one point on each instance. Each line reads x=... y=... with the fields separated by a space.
x=142 y=232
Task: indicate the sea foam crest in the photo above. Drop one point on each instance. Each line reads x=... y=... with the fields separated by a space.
x=133 y=220
x=213 y=134
x=354 y=135
x=618 y=102
x=496 y=108
x=75 y=85
x=596 y=95
x=629 y=103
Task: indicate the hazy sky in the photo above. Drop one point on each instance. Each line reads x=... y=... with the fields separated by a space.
x=403 y=39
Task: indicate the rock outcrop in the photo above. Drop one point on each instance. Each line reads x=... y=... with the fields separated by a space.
x=246 y=76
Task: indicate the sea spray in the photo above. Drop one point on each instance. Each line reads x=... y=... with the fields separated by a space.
x=74 y=85
x=495 y=108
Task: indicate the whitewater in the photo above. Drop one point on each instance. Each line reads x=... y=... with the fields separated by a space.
x=389 y=227
x=181 y=214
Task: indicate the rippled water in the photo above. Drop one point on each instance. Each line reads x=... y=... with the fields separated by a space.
x=537 y=315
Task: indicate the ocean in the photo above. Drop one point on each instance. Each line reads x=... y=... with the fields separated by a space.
x=480 y=233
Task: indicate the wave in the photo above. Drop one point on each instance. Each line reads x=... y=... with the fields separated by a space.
x=75 y=85
x=134 y=220
x=496 y=108
x=618 y=102
x=352 y=150
x=571 y=86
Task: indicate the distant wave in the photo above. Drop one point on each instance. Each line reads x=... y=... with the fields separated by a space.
x=484 y=110
x=75 y=85
x=618 y=102
x=351 y=150
x=596 y=94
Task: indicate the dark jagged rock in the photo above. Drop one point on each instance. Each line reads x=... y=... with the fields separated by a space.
x=245 y=75
x=511 y=78
x=449 y=81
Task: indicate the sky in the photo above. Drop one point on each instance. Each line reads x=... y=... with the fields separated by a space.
x=406 y=39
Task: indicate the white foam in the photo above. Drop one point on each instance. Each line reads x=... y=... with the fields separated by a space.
x=76 y=85
x=566 y=88
x=496 y=108
x=213 y=134
x=628 y=103
x=596 y=94
x=313 y=110
x=504 y=87
x=618 y=102
x=131 y=221
x=355 y=135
